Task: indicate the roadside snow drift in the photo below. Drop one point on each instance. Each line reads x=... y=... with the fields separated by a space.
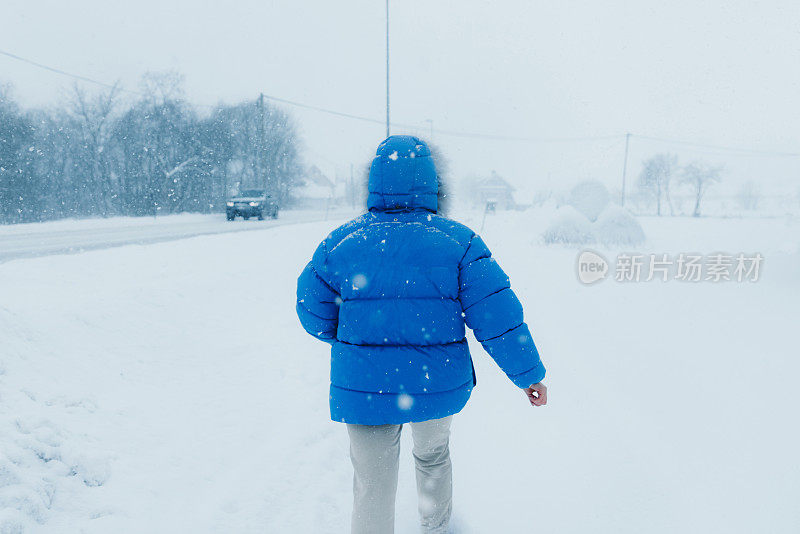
x=169 y=388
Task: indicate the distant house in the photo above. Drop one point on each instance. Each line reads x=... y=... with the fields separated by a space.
x=494 y=189
x=317 y=191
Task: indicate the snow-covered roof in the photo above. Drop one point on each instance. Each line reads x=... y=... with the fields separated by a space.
x=495 y=181
x=315 y=176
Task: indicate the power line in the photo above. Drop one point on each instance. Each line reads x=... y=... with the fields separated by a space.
x=528 y=139
x=316 y=108
x=751 y=151
x=439 y=131
x=453 y=133
x=69 y=74
x=329 y=111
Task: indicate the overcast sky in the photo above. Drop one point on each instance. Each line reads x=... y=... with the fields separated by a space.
x=718 y=72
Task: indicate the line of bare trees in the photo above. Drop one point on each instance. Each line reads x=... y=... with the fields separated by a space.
x=101 y=154
x=660 y=172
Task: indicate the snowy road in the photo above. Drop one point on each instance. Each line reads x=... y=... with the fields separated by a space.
x=165 y=388
x=64 y=237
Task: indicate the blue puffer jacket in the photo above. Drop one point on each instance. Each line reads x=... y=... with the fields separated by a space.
x=392 y=290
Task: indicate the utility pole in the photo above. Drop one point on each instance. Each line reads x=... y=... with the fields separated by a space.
x=387 y=68
x=625 y=168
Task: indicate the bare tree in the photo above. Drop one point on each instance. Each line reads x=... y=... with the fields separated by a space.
x=92 y=156
x=17 y=143
x=162 y=86
x=263 y=147
x=278 y=151
x=700 y=177
x=655 y=178
x=92 y=119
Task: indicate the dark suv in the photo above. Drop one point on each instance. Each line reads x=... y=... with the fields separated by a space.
x=251 y=203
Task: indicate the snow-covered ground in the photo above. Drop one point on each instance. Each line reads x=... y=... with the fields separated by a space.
x=80 y=235
x=170 y=388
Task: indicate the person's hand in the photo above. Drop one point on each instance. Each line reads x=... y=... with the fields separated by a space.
x=537 y=394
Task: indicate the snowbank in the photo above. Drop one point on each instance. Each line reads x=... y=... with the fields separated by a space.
x=45 y=463
x=569 y=227
x=616 y=226
x=169 y=388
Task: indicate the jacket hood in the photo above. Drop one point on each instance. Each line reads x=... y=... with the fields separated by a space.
x=402 y=176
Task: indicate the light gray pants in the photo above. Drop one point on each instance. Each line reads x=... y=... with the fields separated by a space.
x=375 y=451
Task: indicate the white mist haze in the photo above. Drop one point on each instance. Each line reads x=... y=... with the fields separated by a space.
x=708 y=72
x=154 y=375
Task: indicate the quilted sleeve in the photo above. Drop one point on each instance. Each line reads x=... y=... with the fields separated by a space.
x=317 y=300
x=493 y=312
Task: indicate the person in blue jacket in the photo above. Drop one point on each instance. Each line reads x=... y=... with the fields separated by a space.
x=393 y=291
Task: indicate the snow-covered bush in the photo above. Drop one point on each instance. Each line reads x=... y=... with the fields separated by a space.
x=589 y=198
x=616 y=226
x=749 y=196
x=569 y=227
